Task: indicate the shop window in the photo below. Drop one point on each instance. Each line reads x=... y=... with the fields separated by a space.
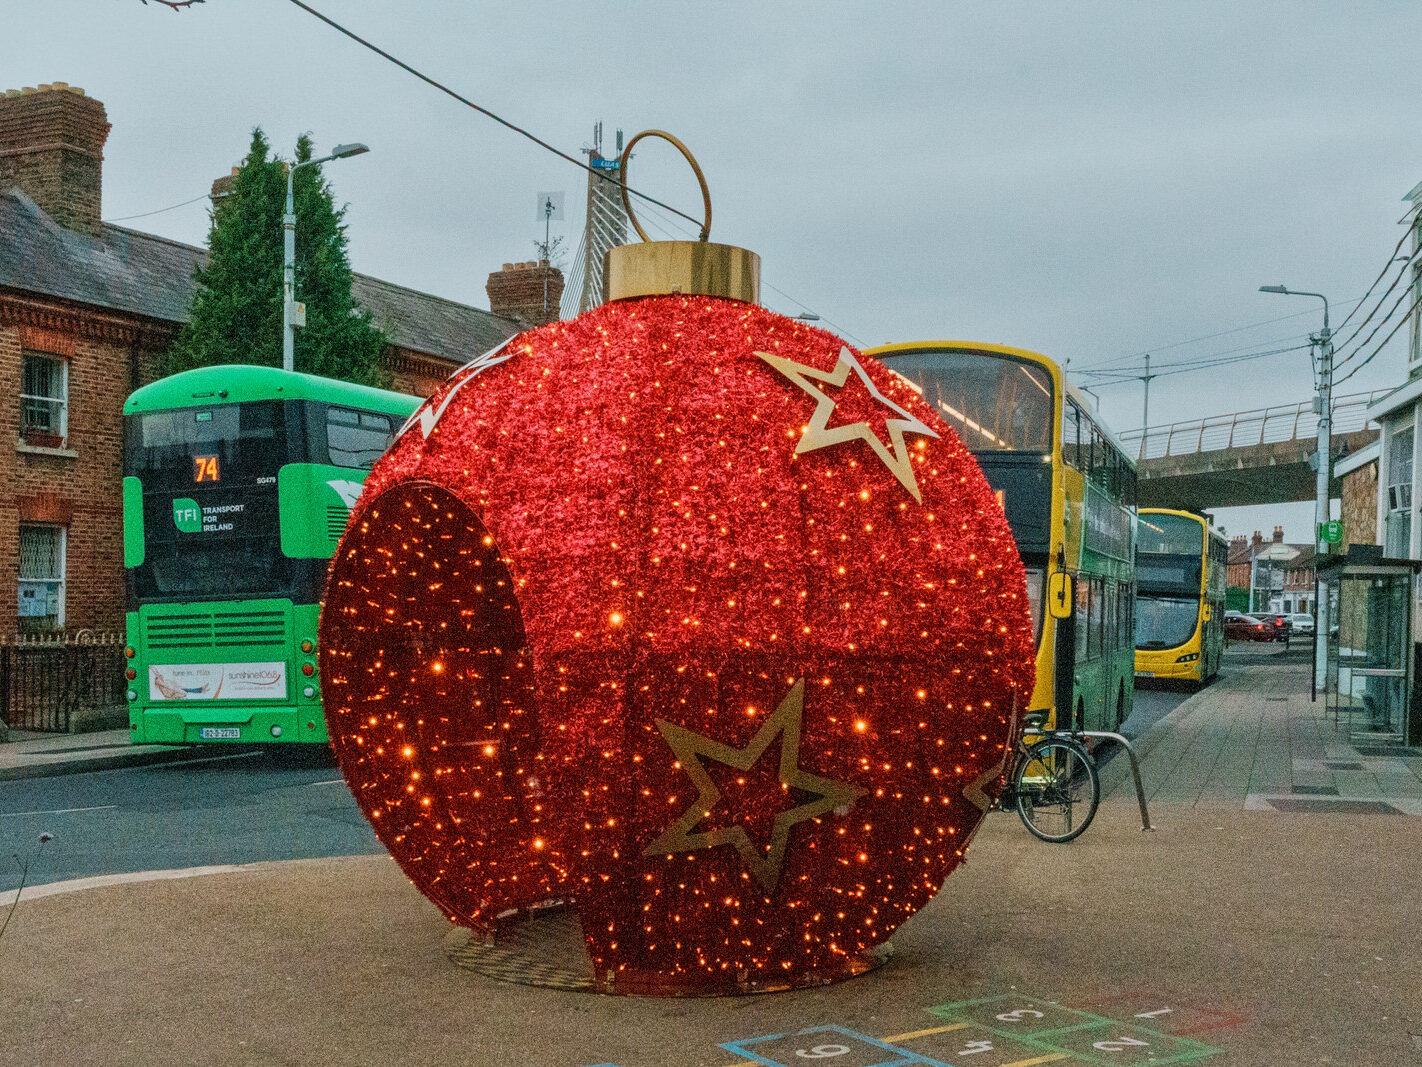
x=44 y=399
x=41 y=577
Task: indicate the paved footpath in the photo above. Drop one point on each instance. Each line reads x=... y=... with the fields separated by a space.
x=1249 y=929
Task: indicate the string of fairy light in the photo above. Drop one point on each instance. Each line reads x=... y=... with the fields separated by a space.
x=588 y=653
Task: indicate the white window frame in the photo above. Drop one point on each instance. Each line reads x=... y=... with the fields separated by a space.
x=61 y=566
x=61 y=401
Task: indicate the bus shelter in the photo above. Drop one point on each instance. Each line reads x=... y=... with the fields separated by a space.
x=1371 y=685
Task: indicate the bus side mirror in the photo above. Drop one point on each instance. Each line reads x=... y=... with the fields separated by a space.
x=1060 y=596
x=1207 y=612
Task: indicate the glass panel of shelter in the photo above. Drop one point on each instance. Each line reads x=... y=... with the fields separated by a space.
x=1367 y=676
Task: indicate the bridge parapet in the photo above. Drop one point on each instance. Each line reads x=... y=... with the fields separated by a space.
x=1243 y=429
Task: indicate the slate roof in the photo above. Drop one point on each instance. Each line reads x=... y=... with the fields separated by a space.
x=126 y=270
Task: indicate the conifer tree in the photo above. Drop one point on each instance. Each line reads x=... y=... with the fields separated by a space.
x=236 y=311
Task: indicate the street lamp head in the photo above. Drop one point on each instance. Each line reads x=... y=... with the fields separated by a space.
x=1273 y=289
x=341 y=151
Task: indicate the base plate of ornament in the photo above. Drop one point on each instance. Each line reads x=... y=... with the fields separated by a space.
x=544 y=947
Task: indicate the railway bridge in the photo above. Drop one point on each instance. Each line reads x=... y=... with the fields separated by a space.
x=1250 y=457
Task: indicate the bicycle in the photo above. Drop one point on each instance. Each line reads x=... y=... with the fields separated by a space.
x=1053 y=783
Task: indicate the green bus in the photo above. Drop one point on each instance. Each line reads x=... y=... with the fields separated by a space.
x=238 y=481
x=1069 y=492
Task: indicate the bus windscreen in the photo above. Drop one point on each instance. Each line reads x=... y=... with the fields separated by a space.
x=994 y=402
x=1165 y=621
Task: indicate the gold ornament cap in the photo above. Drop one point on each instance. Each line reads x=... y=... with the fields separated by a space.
x=696 y=268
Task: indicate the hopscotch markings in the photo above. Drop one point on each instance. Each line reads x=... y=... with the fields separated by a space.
x=832 y=1045
x=1068 y=1033
x=1172 y=1017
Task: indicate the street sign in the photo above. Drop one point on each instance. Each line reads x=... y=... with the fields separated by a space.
x=1330 y=532
x=607 y=164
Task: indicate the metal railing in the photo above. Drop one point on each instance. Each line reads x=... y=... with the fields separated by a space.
x=48 y=679
x=1287 y=422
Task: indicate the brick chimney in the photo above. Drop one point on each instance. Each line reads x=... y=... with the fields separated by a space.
x=1256 y=540
x=52 y=146
x=516 y=292
x=1278 y=535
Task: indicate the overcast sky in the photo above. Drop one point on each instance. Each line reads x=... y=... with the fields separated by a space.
x=1089 y=180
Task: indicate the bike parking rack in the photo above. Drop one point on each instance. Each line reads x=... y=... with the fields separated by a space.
x=1146 y=824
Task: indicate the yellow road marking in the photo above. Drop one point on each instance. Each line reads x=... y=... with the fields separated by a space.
x=922 y=1033
x=1048 y=1058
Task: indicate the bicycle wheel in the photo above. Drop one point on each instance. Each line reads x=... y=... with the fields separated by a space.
x=1057 y=789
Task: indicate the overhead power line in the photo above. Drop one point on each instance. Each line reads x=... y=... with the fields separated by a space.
x=1189 y=367
x=1392 y=258
x=1383 y=343
x=482 y=110
x=174 y=207
x=1204 y=337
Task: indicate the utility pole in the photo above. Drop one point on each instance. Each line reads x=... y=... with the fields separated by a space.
x=1323 y=405
x=1324 y=402
x=1145 y=406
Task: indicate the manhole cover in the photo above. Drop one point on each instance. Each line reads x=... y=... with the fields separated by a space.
x=547 y=950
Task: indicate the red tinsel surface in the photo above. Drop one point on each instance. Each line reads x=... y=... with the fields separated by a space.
x=607 y=543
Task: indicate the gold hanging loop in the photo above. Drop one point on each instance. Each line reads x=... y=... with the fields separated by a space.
x=696 y=168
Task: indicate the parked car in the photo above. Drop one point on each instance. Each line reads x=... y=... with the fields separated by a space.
x=1239 y=627
x=1302 y=624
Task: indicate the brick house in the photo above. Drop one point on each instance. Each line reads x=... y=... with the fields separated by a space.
x=1279 y=574
x=86 y=310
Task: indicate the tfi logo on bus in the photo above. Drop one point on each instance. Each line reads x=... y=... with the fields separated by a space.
x=186 y=515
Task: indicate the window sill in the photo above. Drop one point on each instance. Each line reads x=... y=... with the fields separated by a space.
x=43 y=450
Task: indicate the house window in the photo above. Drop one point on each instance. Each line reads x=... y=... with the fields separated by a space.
x=41 y=577
x=1398 y=532
x=44 y=399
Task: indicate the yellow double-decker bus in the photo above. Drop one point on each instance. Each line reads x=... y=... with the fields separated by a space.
x=1069 y=494
x=1180 y=596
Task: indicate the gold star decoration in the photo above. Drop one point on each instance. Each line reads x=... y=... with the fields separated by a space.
x=763 y=862
x=819 y=434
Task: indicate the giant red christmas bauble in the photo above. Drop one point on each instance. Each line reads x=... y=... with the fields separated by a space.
x=689 y=614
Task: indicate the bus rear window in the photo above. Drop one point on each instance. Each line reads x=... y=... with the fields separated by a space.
x=357 y=438
x=994 y=402
x=236 y=443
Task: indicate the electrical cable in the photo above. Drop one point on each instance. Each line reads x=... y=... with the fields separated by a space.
x=1188 y=368
x=1358 y=329
x=1392 y=258
x=482 y=110
x=1228 y=355
x=1383 y=343
x=144 y=215
x=1205 y=337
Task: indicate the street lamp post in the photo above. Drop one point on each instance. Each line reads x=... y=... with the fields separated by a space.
x=291 y=318
x=1324 y=406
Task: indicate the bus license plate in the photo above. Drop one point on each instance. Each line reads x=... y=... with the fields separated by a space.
x=220 y=733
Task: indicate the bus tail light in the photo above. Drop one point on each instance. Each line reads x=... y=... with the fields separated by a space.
x=308 y=669
x=130 y=674
x=129 y=652
x=307 y=646
x=1189 y=657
